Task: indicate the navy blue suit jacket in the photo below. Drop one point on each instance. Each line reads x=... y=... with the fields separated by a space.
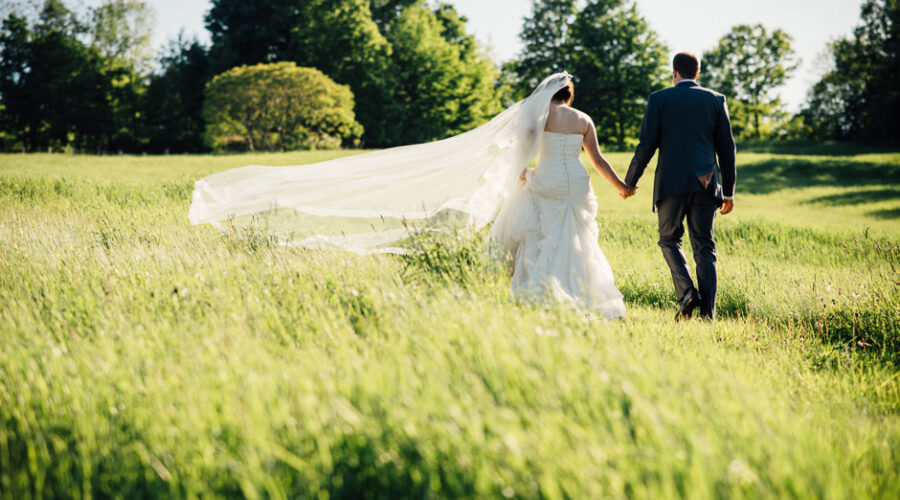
x=689 y=124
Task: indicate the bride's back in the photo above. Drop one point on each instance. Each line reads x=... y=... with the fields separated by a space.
x=563 y=119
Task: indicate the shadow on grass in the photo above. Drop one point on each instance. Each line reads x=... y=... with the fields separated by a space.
x=729 y=304
x=863 y=197
x=858 y=197
x=391 y=464
x=772 y=175
x=869 y=326
x=827 y=148
x=889 y=213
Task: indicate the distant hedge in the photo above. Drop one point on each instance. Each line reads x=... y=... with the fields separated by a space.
x=277 y=107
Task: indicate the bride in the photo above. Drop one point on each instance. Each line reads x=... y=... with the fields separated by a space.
x=550 y=225
x=543 y=217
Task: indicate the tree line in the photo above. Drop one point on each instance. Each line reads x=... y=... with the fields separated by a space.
x=287 y=74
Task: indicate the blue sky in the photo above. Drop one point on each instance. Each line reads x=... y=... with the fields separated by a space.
x=694 y=25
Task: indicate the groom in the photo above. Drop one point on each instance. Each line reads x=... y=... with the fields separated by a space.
x=689 y=125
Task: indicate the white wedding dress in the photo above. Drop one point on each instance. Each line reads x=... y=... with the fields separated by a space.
x=551 y=230
x=363 y=203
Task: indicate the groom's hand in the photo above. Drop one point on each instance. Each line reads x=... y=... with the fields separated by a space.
x=727 y=206
x=626 y=192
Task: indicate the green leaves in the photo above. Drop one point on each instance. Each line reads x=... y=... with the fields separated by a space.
x=65 y=83
x=416 y=73
x=858 y=99
x=747 y=65
x=617 y=61
x=545 y=36
x=443 y=88
x=278 y=106
x=615 y=58
x=121 y=31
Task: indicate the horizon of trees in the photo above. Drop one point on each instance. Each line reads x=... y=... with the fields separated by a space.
x=89 y=81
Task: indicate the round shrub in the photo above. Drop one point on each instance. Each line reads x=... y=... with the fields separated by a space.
x=277 y=107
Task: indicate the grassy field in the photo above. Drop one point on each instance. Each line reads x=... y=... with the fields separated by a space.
x=144 y=357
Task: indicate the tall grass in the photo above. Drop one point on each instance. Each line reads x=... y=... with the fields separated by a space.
x=143 y=357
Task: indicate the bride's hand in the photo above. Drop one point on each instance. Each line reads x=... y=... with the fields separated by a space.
x=522 y=175
x=626 y=192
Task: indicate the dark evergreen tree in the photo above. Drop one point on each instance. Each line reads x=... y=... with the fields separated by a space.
x=18 y=116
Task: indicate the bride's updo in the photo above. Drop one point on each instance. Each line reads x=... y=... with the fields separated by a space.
x=565 y=94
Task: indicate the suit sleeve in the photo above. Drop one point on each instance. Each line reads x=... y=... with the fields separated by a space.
x=648 y=142
x=726 y=151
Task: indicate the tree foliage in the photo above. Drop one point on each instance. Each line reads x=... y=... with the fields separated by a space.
x=338 y=37
x=278 y=106
x=617 y=61
x=121 y=31
x=392 y=67
x=86 y=79
x=859 y=99
x=444 y=85
x=385 y=11
x=70 y=82
x=748 y=65
x=173 y=101
x=54 y=87
x=615 y=58
x=545 y=36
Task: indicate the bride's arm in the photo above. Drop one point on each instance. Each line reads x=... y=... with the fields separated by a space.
x=592 y=147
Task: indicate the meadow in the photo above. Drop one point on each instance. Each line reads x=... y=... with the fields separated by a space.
x=141 y=356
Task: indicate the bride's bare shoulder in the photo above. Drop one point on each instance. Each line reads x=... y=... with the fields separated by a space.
x=567 y=120
x=580 y=114
x=582 y=117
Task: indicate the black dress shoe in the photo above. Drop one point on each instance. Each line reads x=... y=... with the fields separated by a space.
x=687 y=304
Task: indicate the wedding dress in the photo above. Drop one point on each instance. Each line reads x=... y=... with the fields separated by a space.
x=365 y=203
x=550 y=228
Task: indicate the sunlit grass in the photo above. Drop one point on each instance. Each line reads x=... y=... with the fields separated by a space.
x=141 y=356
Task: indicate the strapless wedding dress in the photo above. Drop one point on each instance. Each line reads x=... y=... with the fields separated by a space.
x=551 y=229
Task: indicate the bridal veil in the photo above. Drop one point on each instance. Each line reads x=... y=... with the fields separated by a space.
x=359 y=203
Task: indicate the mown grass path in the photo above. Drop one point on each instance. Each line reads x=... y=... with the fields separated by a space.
x=144 y=357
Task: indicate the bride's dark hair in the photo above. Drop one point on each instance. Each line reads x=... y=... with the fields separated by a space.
x=565 y=94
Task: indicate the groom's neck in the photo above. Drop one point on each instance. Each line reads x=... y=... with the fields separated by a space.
x=677 y=78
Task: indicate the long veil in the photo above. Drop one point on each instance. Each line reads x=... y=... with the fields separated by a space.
x=361 y=203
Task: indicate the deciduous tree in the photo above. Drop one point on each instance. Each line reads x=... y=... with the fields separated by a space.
x=278 y=106
x=173 y=102
x=617 y=61
x=859 y=98
x=337 y=37
x=748 y=65
x=545 y=51
x=444 y=85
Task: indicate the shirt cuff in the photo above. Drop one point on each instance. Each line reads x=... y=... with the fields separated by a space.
x=729 y=197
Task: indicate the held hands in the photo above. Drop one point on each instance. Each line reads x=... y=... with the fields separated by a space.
x=626 y=192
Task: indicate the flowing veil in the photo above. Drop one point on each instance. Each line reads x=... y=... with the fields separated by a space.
x=360 y=203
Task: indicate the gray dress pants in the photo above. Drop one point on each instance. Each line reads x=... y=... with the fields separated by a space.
x=700 y=211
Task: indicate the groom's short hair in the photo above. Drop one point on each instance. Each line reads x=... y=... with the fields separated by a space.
x=686 y=64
